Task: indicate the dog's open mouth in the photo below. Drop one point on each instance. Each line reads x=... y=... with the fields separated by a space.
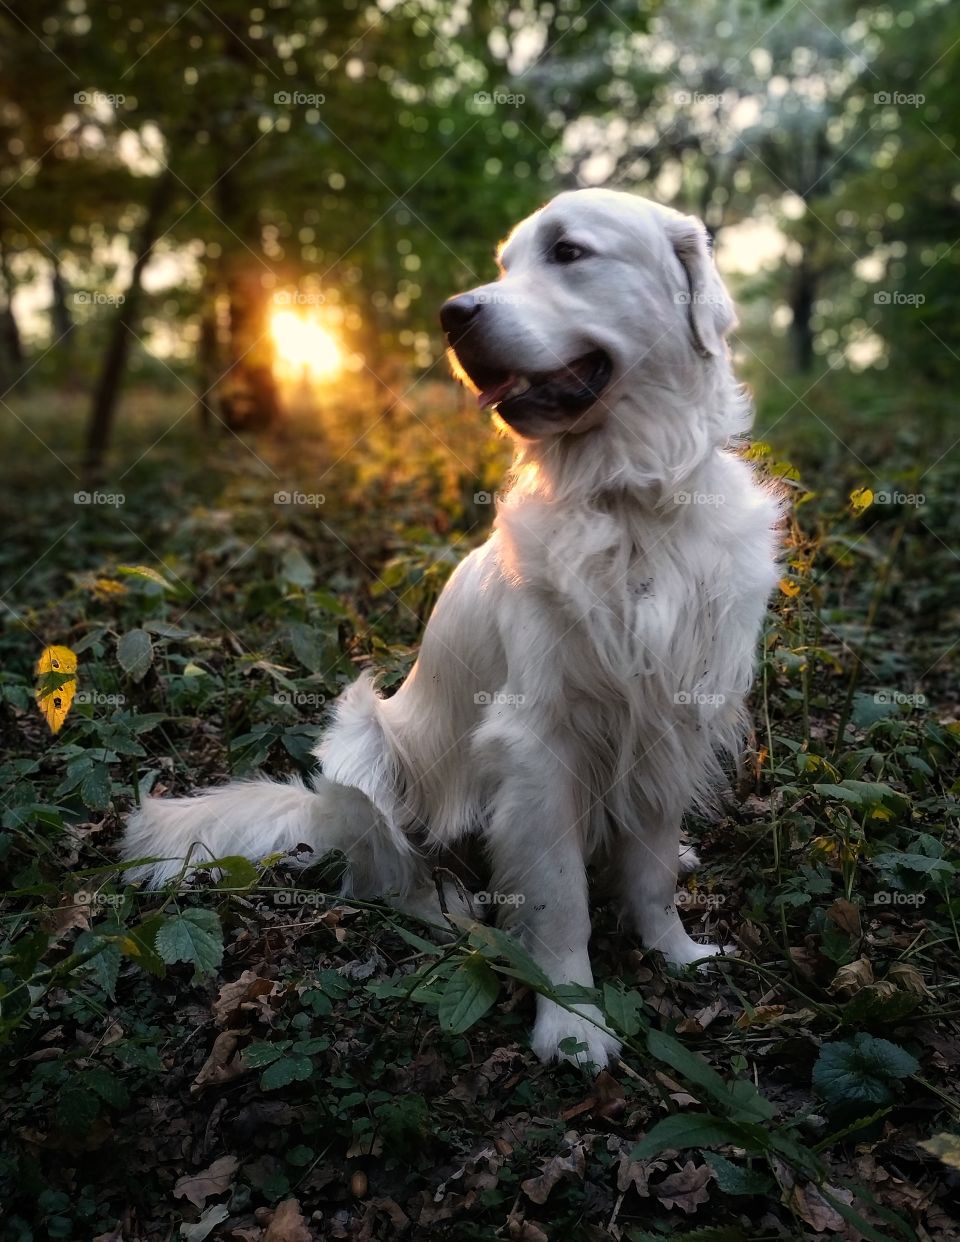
x=568 y=390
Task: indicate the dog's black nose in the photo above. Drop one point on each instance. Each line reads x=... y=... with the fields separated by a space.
x=457 y=315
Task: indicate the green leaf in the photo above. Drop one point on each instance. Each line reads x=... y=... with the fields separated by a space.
x=736 y=1179
x=195 y=936
x=684 y=1130
x=284 y=1071
x=297 y=570
x=257 y=1055
x=469 y=993
x=862 y=1070
x=623 y=1008
x=77 y=1108
x=740 y=1098
x=107 y=1086
x=96 y=787
x=135 y=653
x=105 y=968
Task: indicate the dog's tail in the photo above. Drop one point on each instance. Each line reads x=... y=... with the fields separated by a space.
x=257 y=818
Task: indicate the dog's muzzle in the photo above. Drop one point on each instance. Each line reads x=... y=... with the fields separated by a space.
x=564 y=392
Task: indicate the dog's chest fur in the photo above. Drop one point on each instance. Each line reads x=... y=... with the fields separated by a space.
x=655 y=610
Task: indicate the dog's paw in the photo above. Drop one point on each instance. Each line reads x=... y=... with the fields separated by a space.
x=555 y=1024
x=684 y=951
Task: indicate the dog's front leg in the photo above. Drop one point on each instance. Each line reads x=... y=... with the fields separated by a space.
x=649 y=857
x=540 y=887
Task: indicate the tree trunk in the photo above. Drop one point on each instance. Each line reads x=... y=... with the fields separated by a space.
x=251 y=399
x=63 y=323
x=208 y=364
x=104 y=407
x=803 y=295
x=12 y=355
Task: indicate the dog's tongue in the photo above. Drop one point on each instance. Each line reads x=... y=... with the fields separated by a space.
x=490 y=396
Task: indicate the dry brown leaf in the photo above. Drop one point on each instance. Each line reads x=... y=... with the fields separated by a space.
x=571 y=1165
x=637 y=1173
x=908 y=978
x=812 y=1207
x=234 y=996
x=222 y=1065
x=215 y=1180
x=851 y=978
x=287 y=1224
x=74 y=915
x=520 y=1230
x=685 y=1190
x=846 y=916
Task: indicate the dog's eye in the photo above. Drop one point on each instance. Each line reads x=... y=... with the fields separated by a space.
x=566 y=252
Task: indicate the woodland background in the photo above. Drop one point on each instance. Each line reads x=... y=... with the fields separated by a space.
x=234 y=471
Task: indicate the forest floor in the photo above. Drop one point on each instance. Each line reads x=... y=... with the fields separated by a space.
x=252 y=1058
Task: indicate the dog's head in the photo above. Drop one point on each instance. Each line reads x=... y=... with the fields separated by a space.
x=597 y=291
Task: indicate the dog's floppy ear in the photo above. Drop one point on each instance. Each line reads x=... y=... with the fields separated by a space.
x=711 y=310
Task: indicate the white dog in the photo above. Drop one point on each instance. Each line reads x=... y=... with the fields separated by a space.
x=585 y=667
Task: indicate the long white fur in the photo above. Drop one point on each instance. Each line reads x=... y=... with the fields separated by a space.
x=585 y=667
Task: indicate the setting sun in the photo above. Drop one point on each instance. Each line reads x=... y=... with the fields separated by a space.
x=305 y=348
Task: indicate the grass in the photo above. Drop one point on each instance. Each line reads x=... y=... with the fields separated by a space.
x=204 y=1056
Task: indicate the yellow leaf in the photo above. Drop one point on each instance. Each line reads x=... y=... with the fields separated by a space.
x=790 y=589
x=861 y=498
x=109 y=586
x=946 y=1147
x=57 y=670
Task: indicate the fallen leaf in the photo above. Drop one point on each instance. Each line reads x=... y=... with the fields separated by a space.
x=572 y=1165
x=221 y=1065
x=288 y=1224
x=686 y=1189
x=851 y=978
x=846 y=916
x=234 y=996
x=908 y=978
x=946 y=1147
x=209 y=1220
x=812 y=1207
x=215 y=1180
x=637 y=1173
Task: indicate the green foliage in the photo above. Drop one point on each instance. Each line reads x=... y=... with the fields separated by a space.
x=862 y=1071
